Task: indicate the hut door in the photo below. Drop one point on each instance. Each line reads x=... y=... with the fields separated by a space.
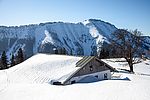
x=105 y=76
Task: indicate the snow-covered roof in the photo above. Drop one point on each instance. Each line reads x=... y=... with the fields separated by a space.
x=84 y=61
x=42 y=68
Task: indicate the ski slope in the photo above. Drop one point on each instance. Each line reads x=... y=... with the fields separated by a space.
x=30 y=80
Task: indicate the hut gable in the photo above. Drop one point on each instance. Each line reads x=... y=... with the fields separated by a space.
x=88 y=65
x=91 y=66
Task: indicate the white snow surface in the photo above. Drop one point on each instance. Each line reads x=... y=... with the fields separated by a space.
x=30 y=81
x=120 y=64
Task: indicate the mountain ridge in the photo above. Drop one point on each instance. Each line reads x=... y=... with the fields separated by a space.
x=82 y=38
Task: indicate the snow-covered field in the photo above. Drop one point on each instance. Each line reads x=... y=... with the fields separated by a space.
x=31 y=81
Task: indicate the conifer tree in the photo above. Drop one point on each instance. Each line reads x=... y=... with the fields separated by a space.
x=71 y=52
x=63 y=51
x=12 y=60
x=20 y=56
x=4 y=60
x=104 y=54
x=55 y=51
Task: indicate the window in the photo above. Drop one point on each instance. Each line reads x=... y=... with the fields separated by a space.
x=72 y=82
x=91 y=68
x=96 y=76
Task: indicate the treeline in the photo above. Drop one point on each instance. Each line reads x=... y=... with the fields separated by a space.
x=14 y=60
x=60 y=51
x=110 y=52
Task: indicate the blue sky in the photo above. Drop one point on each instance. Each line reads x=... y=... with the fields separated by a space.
x=128 y=14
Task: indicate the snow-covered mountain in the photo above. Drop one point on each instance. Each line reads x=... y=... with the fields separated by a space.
x=146 y=44
x=83 y=38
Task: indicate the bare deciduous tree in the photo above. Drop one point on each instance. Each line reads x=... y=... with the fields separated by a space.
x=128 y=43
